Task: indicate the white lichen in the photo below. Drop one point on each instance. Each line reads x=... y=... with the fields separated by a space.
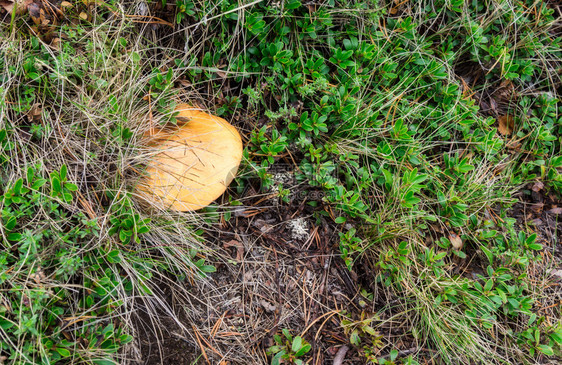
x=299 y=229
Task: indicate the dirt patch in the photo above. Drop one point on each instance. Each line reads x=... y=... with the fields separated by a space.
x=275 y=270
x=160 y=337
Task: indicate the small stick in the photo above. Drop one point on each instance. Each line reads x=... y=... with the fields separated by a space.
x=340 y=356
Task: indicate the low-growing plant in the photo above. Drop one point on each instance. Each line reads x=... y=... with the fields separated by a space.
x=288 y=349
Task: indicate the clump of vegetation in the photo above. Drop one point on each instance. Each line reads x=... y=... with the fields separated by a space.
x=418 y=122
x=414 y=128
x=77 y=246
x=288 y=350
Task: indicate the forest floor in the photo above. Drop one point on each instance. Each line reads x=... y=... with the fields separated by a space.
x=398 y=201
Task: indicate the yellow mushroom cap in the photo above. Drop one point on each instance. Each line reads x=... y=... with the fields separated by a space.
x=196 y=161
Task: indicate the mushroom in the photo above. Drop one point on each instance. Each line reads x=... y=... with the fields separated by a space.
x=195 y=161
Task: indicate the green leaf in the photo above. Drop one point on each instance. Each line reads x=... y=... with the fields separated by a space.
x=55 y=185
x=292 y=4
x=303 y=350
x=15 y=237
x=63 y=171
x=354 y=338
x=208 y=268
x=67 y=197
x=104 y=362
x=531 y=239
x=143 y=229
x=70 y=187
x=488 y=254
x=556 y=161
x=489 y=285
x=125 y=235
x=545 y=349
x=277 y=358
x=370 y=330
x=63 y=352
x=460 y=254
x=393 y=354
x=38 y=184
x=124 y=339
x=557 y=337
x=340 y=220
x=5 y=324
x=297 y=344
x=113 y=257
x=274 y=349
x=287 y=334
x=17 y=186
x=10 y=223
x=29 y=175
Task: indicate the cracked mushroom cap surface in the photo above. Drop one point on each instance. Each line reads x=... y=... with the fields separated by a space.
x=194 y=162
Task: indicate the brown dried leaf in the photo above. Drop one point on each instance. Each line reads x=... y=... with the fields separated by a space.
x=555 y=210
x=220 y=73
x=537 y=207
x=268 y=306
x=456 y=241
x=43 y=17
x=19 y=5
x=493 y=105
x=239 y=248
x=35 y=13
x=505 y=92
x=7 y=5
x=505 y=124
x=537 y=222
x=55 y=43
x=34 y=115
x=538 y=186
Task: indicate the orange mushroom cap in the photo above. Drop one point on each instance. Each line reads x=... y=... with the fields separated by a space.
x=196 y=161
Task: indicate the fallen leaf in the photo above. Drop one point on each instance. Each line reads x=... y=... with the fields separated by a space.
x=505 y=92
x=537 y=207
x=221 y=74
x=35 y=13
x=268 y=306
x=556 y=210
x=537 y=222
x=19 y=5
x=493 y=105
x=55 y=43
x=456 y=241
x=239 y=248
x=505 y=124
x=34 y=115
x=538 y=186
x=43 y=18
